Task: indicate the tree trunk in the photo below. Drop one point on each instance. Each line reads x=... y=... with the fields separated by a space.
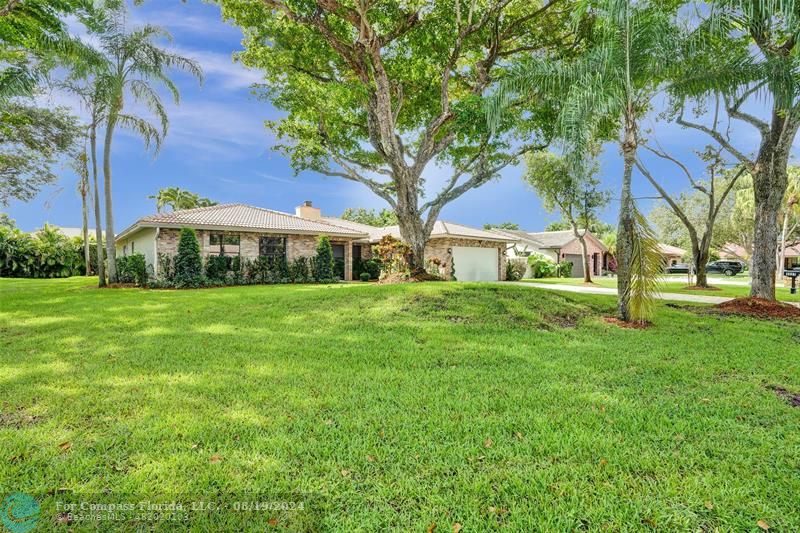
x=111 y=250
x=85 y=226
x=625 y=228
x=770 y=179
x=700 y=254
x=587 y=274
x=782 y=259
x=101 y=271
x=413 y=230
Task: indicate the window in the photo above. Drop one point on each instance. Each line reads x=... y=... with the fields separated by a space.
x=223 y=244
x=338 y=260
x=274 y=247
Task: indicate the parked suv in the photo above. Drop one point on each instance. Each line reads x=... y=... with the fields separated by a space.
x=727 y=267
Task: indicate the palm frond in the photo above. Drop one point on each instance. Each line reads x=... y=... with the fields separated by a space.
x=150 y=134
x=645 y=269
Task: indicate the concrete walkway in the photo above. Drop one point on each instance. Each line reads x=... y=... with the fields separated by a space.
x=694 y=298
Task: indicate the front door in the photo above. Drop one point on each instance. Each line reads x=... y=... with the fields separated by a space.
x=338 y=260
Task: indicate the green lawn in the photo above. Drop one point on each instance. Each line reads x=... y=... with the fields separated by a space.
x=396 y=407
x=679 y=286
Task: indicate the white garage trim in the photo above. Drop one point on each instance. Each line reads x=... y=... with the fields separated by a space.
x=475 y=264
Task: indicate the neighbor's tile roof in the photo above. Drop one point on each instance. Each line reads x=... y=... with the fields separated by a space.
x=668 y=249
x=241 y=216
x=515 y=235
x=440 y=230
x=553 y=239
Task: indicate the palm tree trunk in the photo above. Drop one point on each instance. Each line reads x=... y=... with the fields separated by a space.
x=111 y=250
x=101 y=271
x=625 y=228
x=85 y=226
x=587 y=275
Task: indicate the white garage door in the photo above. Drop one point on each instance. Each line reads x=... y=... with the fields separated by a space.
x=475 y=264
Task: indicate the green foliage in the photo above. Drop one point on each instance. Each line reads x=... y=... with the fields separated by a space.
x=46 y=254
x=323 y=261
x=371 y=266
x=217 y=268
x=300 y=270
x=379 y=219
x=502 y=225
x=541 y=266
x=364 y=276
x=133 y=269
x=188 y=263
x=646 y=268
x=392 y=255
x=564 y=269
x=177 y=199
x=515 y=268
x=32 y=140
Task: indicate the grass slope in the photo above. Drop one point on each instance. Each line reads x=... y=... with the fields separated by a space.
x=673 y=286
x=396 y=407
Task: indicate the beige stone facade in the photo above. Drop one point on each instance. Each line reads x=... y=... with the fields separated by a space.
x=296 y=245
x=440 y=248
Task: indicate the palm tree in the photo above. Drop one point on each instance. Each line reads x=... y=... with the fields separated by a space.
x=746 y=48
x=614 y=81
x=134 y=62
x=81 y=166
x=178 y=198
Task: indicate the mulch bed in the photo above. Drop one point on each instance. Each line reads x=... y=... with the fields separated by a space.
x=758 y=308
x=698 y=288
x=626 y=325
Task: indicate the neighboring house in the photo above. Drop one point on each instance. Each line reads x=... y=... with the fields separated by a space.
x=558 y=246
x=672 y=255
x=250 y=232
x=792 y=257
x=72 y=232
x=731 y=250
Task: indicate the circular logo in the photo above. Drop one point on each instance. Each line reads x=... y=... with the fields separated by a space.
x=20 y=512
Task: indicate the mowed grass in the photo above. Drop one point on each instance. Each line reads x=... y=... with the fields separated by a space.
x=394 y=408
x=678 y=285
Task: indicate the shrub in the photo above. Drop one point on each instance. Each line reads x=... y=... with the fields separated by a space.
x=515 y=268
x=541 y=266
x=188 y=264
x=564 y=269
x=323 y=262
x=46 y=254
x=216 y=267
x=372 y=267
x=132 y=269
x=300 y=270
x=166 y=269
x=364 y=276
x=393 y=255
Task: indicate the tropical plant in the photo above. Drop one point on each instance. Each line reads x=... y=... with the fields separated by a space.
x=376 y=92
x=571 y=190
x=133 y=63
x=630 y=51
x=744 y=49
x=81 y=166
x=47 y=253
x=35 y=39
x=645 y=268
x=177 y=198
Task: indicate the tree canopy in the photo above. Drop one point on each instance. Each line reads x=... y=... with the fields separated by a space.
x=370 y=217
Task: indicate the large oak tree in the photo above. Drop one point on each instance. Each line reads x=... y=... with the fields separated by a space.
x=378 y=91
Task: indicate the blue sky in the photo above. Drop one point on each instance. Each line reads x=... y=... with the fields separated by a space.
x=218 y=147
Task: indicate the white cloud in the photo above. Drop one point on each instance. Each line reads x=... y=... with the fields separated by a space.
x=220 y=69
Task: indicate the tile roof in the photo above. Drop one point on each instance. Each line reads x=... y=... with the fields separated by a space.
x=443 y=229
x=553 y=239
x=668 y=249
x=515 y=235
x=243 y=217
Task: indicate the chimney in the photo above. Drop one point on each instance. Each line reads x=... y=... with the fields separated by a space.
x=306 y=210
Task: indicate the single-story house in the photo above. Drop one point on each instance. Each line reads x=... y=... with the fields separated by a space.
x=250 y=232
x=672 y=255
x=559 y=246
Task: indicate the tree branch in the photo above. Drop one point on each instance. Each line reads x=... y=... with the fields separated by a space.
x=9 y=7
x=733 y=110
x=663 y=155
x=672 y=203
x=717 y=136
